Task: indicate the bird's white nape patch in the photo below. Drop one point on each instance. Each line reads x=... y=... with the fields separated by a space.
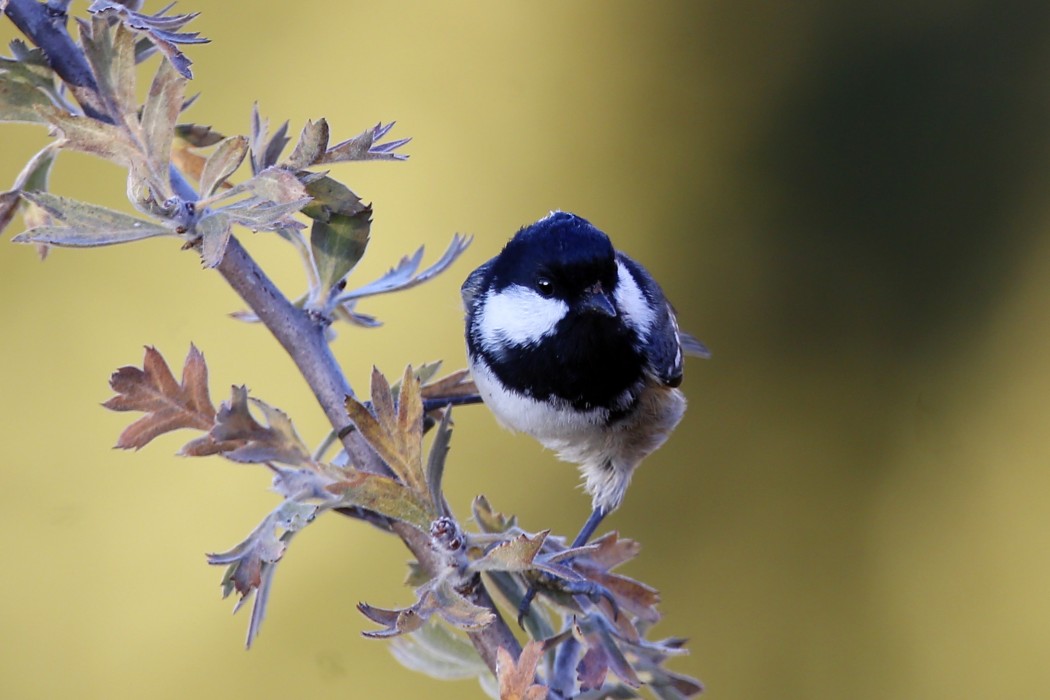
x=631 y=301
x=519 y=316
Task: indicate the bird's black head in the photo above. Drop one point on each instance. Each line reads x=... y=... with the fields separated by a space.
x=562 y=256
x=547 y=320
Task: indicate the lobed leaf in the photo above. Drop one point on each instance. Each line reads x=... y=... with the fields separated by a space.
x=169 y=405
x=214 y=231
x=594 y=631
x=403 y=275
x=455 y=609
x=490 y=520
x=159 y=113
x=313 y=141
x=197 y=135
x=85 y=225
x=517 y=679
x=259 y=214
x=112 y=59
x=455 y=385
x=275 y=442
x=366 y=146
x=437 y=651
x=88 y=135
x=222 y=163
x=161 y=30
x=385 y=496
x=513 y=555
x=396 y=436
x=436 y=462
x=265 y=148
x=28 y=66
x=20 y=101
x=252 y=563
x=34 y=176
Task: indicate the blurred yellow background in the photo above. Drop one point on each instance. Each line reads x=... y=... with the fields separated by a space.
x=846 y=201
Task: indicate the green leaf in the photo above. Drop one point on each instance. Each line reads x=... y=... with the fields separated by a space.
x=385 y=496
x=329 y=196
x=490 y=520
x=456 y=609
x=436 y=461
x=366 y=146
x=338 y=244
x=258 y=214
x=34 y=176
x=214 y=230
x=222 y=163
x=311 y=146
x=513 y=555
x=29 y=67
x=90 y=135
x=112 y=58
x=159 y=113
x=437 y=651
x=86 y=226
x=266 y=149
x=20 y=102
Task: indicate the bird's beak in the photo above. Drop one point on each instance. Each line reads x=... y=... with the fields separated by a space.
x=595 y=300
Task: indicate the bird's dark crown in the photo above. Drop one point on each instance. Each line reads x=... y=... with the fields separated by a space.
x=565 y=248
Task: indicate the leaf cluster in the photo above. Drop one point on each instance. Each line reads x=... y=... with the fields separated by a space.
x=386 y=476
x=292 y=195
x=589 y=625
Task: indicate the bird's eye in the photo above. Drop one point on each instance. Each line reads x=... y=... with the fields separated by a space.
x=545 y=286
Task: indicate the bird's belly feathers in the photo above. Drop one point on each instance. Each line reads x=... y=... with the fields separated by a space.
x=607 y=453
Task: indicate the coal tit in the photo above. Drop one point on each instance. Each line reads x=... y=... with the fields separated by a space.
x=573 y=343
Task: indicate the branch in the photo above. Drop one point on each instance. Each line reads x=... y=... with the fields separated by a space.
x=299 y=333
x=46 y=28
x=302 y=337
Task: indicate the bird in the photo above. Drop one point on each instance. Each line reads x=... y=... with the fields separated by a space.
x=574 y=343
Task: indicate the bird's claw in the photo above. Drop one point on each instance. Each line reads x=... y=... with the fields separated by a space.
x=594 y=592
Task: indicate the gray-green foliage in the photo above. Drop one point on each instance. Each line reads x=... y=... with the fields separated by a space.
x=589 y=622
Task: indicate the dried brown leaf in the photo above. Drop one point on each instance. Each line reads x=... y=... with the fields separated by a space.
x=513 y=555
x=275 y=442
x=395 y=434
x=592 y=669
x=594 y=631
x=169 y=405
x=455 y=385
x=517 y=680
x=611 y=550
x=437 y=596
x=633 y=596
x=197 y=135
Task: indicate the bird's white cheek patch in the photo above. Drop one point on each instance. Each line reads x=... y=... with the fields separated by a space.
x=519 y=316
x=630 y=300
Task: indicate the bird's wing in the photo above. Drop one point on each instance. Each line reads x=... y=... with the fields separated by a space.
x=663 y=345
